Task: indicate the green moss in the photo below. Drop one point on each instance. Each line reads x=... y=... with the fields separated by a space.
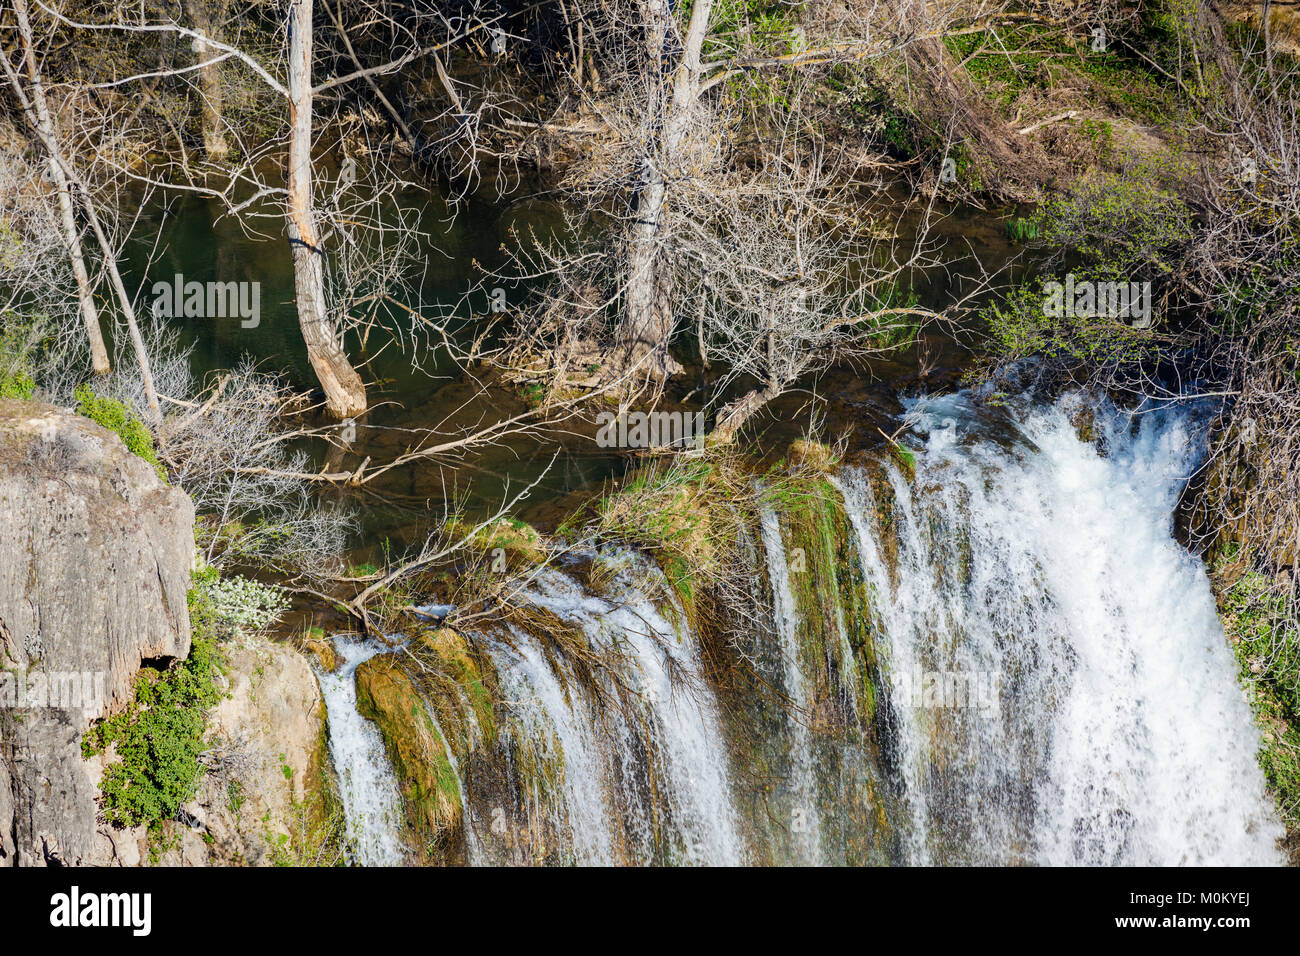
x=906 y=459
x=829 y=590
x=430 y=788
x=115 y=416
x=464 y=675
x=516 y=540
x=676 y=512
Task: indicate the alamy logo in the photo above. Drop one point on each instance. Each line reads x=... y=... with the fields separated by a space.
x=1085 y=298
x=649 y=429
x=208 y=300
x=950 y=690
x=59 y=690
x=74 y=909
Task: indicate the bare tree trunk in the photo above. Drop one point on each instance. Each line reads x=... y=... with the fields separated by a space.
x=732 y=417
x=38 y=115
x=648 y=321
x=123 y=299
x=345 y=395
x=214 y=136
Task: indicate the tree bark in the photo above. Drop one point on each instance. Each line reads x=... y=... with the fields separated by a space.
x=648 y=321
x=215 y=146
x=345 y=395
x=38 y=115
x=732 y=417
x=123 y=299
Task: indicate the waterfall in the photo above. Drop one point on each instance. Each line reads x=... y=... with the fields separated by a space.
x=473 y=849
x=562 y=729
x=658 y=764
x=1062 y=691
x=805 y=814
x=371 y=801
x=896 y=616
x=1008 y=658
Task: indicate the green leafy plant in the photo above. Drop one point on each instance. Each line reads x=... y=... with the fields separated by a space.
x=1125 y=223
x=157 y=739
x=18 y=385
x=1019 y=326
x=117 y=418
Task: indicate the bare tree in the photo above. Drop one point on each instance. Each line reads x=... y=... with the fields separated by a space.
x=344 y=391
x=206 y=17
x=707 y=199
x=39 y=297
x=30 y=93
x=329 y=243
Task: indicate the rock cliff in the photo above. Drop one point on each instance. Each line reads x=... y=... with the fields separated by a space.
x=95 y=554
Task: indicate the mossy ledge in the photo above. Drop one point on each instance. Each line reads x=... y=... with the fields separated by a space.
x=429 y=786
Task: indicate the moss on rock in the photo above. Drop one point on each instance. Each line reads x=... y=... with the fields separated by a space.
x=430 y=788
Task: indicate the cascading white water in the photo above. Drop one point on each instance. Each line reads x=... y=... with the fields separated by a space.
x=1057 y=687
x=371 y=800
x=604 y=759
x=1032 y=564
x=562 y=730
x=806 y=812
x=897 y=619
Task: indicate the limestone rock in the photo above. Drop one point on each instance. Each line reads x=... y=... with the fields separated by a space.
x=265 y=790
x=94 y=572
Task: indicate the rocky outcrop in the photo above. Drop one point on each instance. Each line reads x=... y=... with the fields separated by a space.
x=94 y=573
x=268 y=797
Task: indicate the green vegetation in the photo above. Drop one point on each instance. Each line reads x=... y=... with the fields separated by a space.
x=1007 y=63
x=117 y=418
x=1020 y=326
x=18 y=341
x=419 y=753
x=830 y=593
x=1122 y=227
x=1266 y=641
x=517 y=541
x=18 y=385
x=1037 y=59
x=1021 y=229
x=1126 y=223
x=672 y=511
x=157 y=739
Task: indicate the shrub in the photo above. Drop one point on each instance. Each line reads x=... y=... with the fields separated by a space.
x=18 y=385
x=1019 y=326
x=158 y=738
x=1125 y=223
x=19 y=341
x=242 y=607
x=115 y=416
